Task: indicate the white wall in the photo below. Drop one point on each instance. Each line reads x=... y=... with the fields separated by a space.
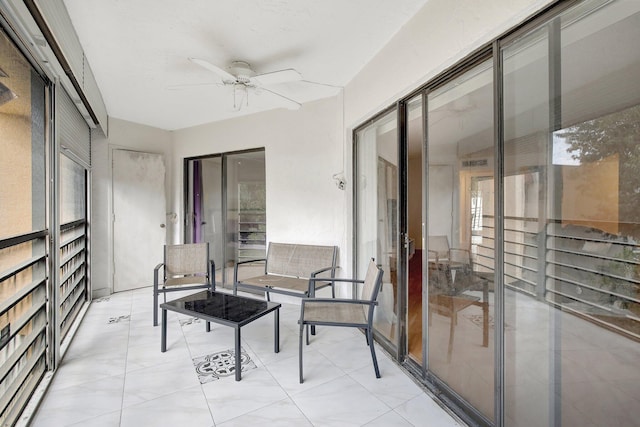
x=122 y=135
x=439 y=35
x=303 y=151
x=305 y=148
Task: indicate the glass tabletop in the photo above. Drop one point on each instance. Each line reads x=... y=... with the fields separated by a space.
x=218 y=306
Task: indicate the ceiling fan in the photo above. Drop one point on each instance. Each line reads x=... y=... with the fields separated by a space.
x=243 y=80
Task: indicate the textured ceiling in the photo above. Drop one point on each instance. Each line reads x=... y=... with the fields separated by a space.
x=139 y=50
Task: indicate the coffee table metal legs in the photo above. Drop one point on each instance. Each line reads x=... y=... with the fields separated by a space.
x=276 y=331
x=238 y=354
x=163 y=337
x=276 y=343
x=238 y=351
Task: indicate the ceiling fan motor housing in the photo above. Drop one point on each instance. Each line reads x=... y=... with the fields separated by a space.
x=242 y=71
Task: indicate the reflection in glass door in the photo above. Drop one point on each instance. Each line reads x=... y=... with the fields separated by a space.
x=415 y=255
x=226 y=206
x=460 y=242
x=376 y=224
x=571 y=252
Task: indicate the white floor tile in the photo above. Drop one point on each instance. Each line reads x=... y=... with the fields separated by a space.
x=80 y=403
x=114 y=374
x=422 y=408
x=229 y=399
x=184 y=408
x=340 y=402
x=283 y=413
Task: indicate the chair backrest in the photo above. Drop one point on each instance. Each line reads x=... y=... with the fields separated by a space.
x=439 y=245
x=371 y=287
x=460 y=256
x=289 y=259
x=186 y=259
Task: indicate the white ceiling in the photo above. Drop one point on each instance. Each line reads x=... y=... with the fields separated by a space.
x=139 y=50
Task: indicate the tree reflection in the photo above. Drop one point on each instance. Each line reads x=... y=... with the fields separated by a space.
x=616 y=134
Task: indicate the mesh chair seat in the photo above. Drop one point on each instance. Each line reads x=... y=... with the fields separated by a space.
x=287 y=283
x=334 y=312
x=187 y=280
x=274 y=281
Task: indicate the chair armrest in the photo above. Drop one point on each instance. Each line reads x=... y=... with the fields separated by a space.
x=322 y=270
x=212 y=274
x=155 y=273
x=334 y=279
x=343 y=300
x=250 y=260
x=238 y=263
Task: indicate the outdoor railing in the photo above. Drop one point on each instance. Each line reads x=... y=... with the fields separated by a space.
x=73 y=277
x=23 y=320
x=582 y=270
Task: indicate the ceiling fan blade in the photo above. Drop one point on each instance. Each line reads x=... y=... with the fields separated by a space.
x=289 y=103
x=224 y=75
x=192 y=86
x=276 y=77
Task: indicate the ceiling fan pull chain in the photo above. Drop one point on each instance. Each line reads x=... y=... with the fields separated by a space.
x=235 y=107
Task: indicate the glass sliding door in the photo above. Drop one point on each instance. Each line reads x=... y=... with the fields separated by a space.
x=226 y=206
x=460 y=239
x=416 y=255
x=246 y=211
x=74 y=286
x=376 y=225
x=26 y=330
x=571 y=254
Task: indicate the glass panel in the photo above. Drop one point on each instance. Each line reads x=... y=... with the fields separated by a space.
x=23 y=291
x=572 y=306
x=246 y=211
x=376 y=217
x=243 y=235
x=73 y=249
x=415 y=224
x=205 y=201
x=72 y=191
x=460 y=239
x=22 y=161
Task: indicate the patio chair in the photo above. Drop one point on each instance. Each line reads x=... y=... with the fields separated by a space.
x=355 y=312
x=185 y=267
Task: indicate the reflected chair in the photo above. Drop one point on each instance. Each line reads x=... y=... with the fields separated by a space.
x=447 y=262
x=451 y=275
x=355 y=312
x=185 y=267
x=438 y=248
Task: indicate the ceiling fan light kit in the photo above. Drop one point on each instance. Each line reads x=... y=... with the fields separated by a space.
x=243 y=80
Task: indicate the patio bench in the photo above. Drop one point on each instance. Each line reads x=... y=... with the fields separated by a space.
x=288 y=269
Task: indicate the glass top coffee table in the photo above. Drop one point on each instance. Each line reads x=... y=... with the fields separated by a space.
x=225 y=309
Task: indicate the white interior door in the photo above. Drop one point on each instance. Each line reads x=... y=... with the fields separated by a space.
x=139 y=216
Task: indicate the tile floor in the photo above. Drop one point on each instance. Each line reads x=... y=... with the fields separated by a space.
x=114 y=374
